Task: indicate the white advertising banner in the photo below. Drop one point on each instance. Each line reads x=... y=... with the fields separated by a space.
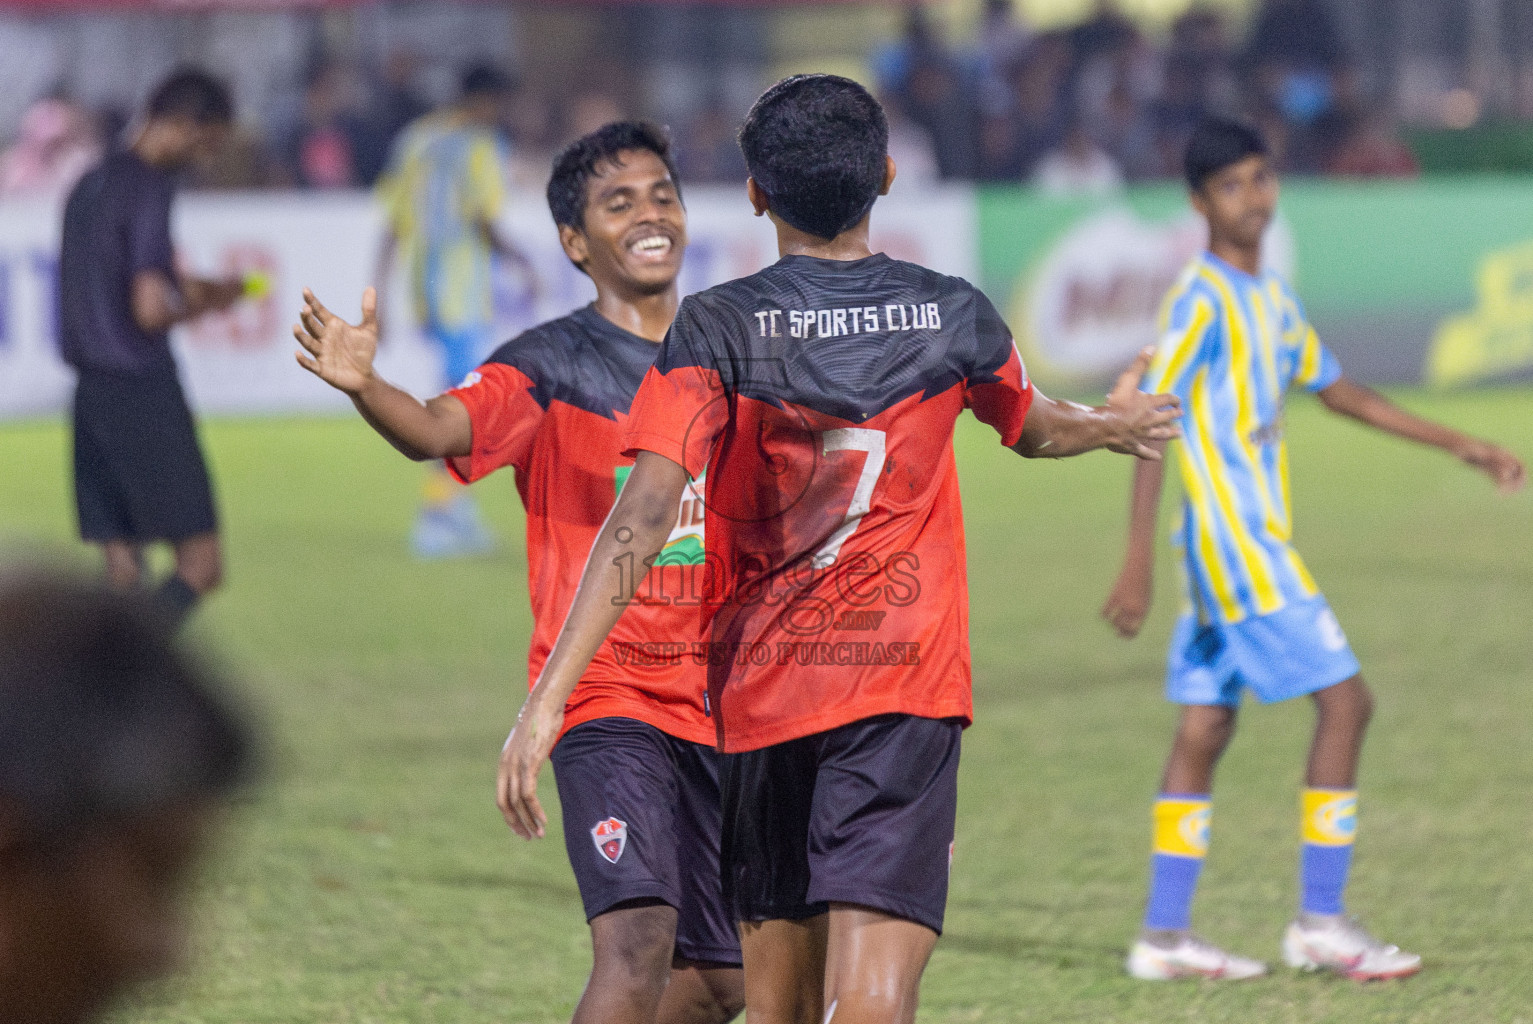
x=242 y=361
x=1093 y=300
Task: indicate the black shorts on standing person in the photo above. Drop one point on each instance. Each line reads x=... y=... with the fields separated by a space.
x=140 y=476
x=139 y=473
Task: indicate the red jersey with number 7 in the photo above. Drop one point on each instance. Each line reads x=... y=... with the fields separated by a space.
x=818 y=399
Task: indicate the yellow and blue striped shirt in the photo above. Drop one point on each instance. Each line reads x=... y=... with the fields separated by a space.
x=1231 y=344
x=445 y=181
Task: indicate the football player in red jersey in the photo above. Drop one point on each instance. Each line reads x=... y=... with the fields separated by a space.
x=638 y=775
x=819 y=396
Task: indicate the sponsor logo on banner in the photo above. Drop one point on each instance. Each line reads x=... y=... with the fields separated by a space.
x=1495 y=339
x=1086 y=308
x=611 y=838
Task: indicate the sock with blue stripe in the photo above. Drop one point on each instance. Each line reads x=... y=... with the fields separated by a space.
x=1179 y=845
x=1328 y=826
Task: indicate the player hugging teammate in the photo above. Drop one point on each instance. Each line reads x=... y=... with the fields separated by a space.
x=638 y=775
x=831 y=491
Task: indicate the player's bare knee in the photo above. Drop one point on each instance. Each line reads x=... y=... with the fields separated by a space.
x=871 y=1003
x=1365 y=704
x=1206 y=735
x=1348 y=704
x=703 y=995
x=634 y=947
x=728 y=1001
x=720 y=992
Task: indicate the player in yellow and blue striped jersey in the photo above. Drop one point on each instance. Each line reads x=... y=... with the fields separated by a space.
x=443 y=195
x=1234 y=340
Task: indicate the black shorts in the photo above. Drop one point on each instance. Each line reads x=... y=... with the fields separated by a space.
x=139 y=472
x=641 y=821
x=863 y=814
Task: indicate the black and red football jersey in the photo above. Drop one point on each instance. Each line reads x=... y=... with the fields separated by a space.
x=818 y=398
x=552 y=403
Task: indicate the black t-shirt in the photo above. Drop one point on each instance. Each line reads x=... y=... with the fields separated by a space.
x=116 y=224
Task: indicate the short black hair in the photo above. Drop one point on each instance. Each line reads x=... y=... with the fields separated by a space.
x=816 y=145
x=576 y=165
x=192 y=92
x=1216 y=143
x=484 y=80
x=103 y=714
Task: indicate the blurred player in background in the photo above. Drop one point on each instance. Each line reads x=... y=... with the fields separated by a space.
x=820 y=396
x=443 y=195
x=115 y=756
x=1235 y=339
x=638 y=775
x=139 y=472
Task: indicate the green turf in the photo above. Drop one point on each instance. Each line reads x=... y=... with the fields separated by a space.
x=372 y=879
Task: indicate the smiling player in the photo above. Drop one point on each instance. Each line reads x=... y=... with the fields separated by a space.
x=1234 y=341
x=638 y=777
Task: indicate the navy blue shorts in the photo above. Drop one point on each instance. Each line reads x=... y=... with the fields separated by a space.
x=641 y=822
x=863 y=814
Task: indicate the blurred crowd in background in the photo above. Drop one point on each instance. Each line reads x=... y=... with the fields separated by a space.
x=1085 y=108
x=1090 y=107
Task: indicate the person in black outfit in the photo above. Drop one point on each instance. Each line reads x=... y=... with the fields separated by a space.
x=139 y=472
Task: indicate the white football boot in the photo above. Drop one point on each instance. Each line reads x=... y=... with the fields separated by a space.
x=1342 y=945
x=1191 y=957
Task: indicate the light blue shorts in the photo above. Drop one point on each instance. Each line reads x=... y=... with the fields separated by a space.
x=462 y=350
x=1295 y=651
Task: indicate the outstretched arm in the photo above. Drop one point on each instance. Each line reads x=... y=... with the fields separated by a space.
x=157 y=304
x=341 y=355
x=633 y=534
x=1131 y=422
x=1129 y=603
x=1366 y=405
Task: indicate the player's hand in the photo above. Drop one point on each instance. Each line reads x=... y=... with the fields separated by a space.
x=1129 y=603
x=339 y=353
x=1141 y=420
x=528 y=746
x=225 y=293
x=211 y=295
x=1497 y=463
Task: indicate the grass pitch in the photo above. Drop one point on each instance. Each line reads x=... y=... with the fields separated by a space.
x=372 y=880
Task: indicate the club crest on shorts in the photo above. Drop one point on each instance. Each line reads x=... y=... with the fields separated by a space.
x=611 y=838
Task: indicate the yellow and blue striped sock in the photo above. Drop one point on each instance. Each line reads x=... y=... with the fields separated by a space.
x=1328 y=827
x=1180 y=843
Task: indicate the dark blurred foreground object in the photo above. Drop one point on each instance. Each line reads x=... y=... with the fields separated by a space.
x=116 y=753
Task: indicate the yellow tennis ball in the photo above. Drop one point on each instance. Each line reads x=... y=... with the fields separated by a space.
x=257 y=284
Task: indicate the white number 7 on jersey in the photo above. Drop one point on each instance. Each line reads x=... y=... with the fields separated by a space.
x=853 y=439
